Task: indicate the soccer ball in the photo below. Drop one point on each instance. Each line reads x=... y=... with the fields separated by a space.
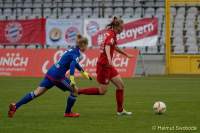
x=159 y=107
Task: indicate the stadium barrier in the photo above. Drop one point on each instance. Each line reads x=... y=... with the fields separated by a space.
x=35 y=62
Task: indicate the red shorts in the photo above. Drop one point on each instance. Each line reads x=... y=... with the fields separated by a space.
x=105 y=73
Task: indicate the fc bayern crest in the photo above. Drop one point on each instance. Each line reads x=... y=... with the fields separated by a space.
x=13 y=32
x=70 y=34
x=92 y=27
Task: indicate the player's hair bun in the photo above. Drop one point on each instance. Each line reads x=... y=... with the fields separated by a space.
x=79 y=36
x=116 y=21
x=81 y=40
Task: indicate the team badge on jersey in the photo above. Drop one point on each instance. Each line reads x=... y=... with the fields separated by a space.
x=106 y=81
x=112 y=41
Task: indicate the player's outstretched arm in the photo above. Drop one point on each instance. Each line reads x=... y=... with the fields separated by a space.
x=86 y=75
x=124 y=53
x=83 y=73
x=72 y=70
x=107 y=50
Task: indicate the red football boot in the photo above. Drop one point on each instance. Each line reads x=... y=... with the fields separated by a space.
x=71 y=114
x=12 y=110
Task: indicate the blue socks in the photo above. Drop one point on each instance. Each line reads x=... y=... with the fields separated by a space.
x=30 y=96
x=70 y=102
x=27 y=98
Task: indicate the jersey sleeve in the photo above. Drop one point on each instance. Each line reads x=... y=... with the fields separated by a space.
x=78 y=66
x=74 y=64
x=109 y=40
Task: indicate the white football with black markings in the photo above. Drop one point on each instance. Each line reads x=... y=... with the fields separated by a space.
x=159 y=107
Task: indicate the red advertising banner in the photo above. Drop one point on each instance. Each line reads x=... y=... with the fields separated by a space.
x=133 y=31
x=22 y=31
x=35 y=63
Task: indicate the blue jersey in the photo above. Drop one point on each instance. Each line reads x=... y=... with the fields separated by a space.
x=68 y=61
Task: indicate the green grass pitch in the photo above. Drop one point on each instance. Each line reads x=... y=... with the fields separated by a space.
x=45 y=114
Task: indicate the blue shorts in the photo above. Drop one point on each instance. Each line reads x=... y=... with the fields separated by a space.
x=63 y=84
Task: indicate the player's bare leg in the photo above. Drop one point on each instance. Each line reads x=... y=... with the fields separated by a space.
x=30 y=96
x=118 y=82
x=102 y=89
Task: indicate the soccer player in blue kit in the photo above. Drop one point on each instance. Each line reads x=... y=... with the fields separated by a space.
x=56 y=77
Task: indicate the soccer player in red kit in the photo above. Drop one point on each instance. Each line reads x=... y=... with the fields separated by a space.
x=106 y=72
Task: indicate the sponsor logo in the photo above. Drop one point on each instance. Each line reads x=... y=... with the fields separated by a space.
x=70 y=34
x=55 y=34
x=120 y=61
x=13 y=31
x=135 y=32
x=92 y=27
x=13 y=60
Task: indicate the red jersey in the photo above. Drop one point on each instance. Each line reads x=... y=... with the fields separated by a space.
x=111 y=40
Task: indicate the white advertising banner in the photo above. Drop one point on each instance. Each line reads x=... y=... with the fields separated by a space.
x=92 y=26
x=63 y=32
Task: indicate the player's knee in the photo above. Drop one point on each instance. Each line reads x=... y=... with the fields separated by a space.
x=39 y=91
x=36 y=93
x=75 y=91
x=121 y=86
x=102 y=91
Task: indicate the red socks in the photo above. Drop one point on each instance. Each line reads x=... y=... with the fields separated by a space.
x=120 y=99
x=89 y=91
x=95 y=91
